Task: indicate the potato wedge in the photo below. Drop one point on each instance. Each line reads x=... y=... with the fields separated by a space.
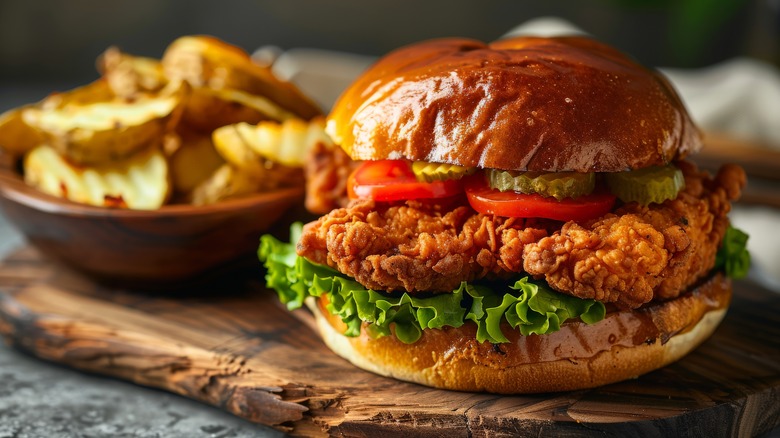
x=211 y=63
x=289 y=142
x=226 y=182
x=230 y=143
x=138 y=182
x=207 y=109
x=104 y=131
x=286 y=143
x=193 y=162
x=129 y=75
x=94 y=92
x=16 y=136
x=229 y=182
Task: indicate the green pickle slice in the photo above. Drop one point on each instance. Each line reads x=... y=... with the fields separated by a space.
x=653 y=184
x=430 y=172
x=548 y=184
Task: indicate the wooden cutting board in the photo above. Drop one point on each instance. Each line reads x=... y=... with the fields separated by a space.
x=232 y=346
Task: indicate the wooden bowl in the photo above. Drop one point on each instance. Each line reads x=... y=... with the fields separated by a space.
x=172 y=244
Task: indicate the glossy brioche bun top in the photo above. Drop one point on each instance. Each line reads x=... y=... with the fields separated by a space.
x=525 y=103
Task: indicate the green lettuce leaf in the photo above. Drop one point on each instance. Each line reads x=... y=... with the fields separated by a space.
x=733 y=256
x=533 y=309
x=529 y=306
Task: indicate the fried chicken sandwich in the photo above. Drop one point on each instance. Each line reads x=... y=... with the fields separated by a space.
x=523 y=219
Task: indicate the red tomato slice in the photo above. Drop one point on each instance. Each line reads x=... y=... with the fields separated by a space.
x=393 y=180
x=487 y=200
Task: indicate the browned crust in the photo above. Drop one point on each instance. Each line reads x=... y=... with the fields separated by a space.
x=624 y=345
x=206 y=61
x=543 y=104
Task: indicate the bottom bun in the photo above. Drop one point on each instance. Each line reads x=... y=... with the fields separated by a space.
x=624 y=345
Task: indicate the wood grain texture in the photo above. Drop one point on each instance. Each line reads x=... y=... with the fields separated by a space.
x=234 y=347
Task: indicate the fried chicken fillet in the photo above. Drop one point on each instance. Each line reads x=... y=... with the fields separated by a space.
x=326 y=170
x=629 y=257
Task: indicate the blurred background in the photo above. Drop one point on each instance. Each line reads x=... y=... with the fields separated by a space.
x=55 y=43
x=723 y=55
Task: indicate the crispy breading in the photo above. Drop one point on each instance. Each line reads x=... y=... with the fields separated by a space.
x=629 y=257
x=327 y=168
x=641 y=253
x=416 y=246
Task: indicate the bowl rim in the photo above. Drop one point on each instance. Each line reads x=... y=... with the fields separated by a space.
x=13 y=188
